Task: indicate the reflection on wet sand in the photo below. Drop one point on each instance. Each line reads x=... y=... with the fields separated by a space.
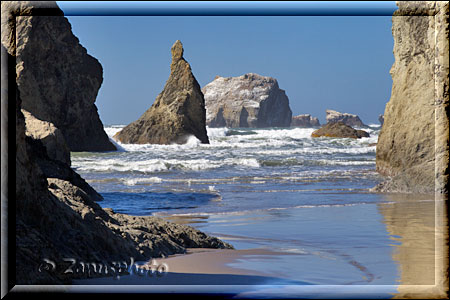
x=418 y=228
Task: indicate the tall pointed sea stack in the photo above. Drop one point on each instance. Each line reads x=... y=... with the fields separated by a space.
x=177 y=113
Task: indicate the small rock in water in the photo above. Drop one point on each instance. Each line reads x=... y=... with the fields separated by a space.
x=348 y=119
x=304 y=121
x=339 y=130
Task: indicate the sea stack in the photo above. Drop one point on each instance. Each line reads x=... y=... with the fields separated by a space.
x=413 y=143
x=348 y=119
x=250 y=100
x=177 y=113
x=304 y=121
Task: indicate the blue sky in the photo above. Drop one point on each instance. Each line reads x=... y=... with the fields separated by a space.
x=335 y=62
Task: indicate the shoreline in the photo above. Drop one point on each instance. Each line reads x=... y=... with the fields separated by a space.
x=201 y=266
x=235 y=272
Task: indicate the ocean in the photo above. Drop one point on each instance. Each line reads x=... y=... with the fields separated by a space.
x=240 y=170
x=271 y=188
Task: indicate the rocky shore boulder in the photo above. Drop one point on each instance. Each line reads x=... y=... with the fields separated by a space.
x=339 y=130
x=412 y=147
x=50 y=136
x=250 y=100
x=304 y=121
x=177 y=113
x=348 y=119
x=57 y=79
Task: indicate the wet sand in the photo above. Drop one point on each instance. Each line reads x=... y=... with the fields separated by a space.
x=199 y=266
x=207 y=272
x=214 y=261
x=418 y=225
x=390 y=249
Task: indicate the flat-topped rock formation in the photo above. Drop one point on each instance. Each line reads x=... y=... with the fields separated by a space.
x=57 y=79
x=413 y=143
x=339 y=130
x=304 y=121
x=250 y=100
x=177 y=113
x=348 y=119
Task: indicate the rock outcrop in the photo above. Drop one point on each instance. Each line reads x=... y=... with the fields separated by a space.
x=249 y=100
x=304 y=121
x=348 y=119
x=339 y=130
x=57 y=79
x=381 y=119
x=177 y=113
x=413 y=143
x=57 y=216
x=50 y=136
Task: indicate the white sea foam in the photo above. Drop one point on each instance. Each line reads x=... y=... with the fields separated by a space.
x=134 y=181
x=242 y=149
x=216 y=132
x=113 y=129
x=297 y=138
x=160 y=165
x=193 y=142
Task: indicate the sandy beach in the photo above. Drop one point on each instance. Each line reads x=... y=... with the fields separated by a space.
x=272 y=266
x=208 y=272
x=200 y=267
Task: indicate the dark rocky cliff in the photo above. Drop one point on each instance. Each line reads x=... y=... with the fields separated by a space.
x=57 y=79
x=56 y=213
